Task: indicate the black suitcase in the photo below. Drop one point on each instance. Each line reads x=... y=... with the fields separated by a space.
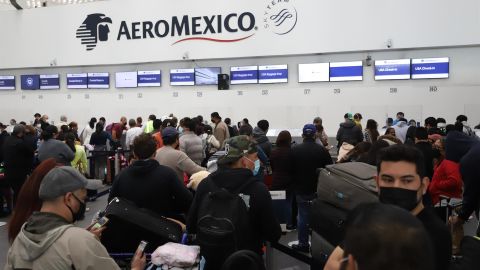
x=128 y=225
x=328 y=221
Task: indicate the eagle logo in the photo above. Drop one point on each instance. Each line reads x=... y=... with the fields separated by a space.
x=94 y=29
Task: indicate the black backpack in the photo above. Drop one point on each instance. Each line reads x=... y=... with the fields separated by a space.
x=223 y=223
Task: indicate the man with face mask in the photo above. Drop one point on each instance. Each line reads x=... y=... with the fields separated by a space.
x=402 y=182
x=236 y=174
x=307 y=158
x=48 y=240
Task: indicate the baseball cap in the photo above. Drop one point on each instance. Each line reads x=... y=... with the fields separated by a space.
x=61 y=180
x=309 y=130
x=237 y=147
x=169 y=132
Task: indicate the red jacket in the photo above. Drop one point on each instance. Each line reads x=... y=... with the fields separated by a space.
x=446 y=181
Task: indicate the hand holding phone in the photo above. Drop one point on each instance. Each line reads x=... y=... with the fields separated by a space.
x=100 y=223
x=142 y=245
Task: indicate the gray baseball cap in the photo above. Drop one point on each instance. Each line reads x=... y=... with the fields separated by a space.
x=61 y=180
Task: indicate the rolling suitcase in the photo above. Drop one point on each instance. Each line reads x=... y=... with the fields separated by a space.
x=341 y=187
x=346 y=185
x=128 y=225
x=328 y=221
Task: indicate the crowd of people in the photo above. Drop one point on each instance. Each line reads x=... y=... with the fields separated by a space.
x=174 y=167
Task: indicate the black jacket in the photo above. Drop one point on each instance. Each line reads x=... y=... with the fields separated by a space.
x=427 y=150
x=349 y=133
x=152 y=186
x=461 y=148
x=17 y=157
x=262 y=141
x=3 y=136
x=281 y=162
x=263 y=224
x=306 y=159
x=232 y=131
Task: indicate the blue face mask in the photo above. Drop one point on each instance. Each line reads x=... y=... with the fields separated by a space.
x=257 y=166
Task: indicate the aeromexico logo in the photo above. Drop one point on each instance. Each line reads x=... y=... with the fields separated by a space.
x=185 y=28
x=93 y=29
x=280 y=16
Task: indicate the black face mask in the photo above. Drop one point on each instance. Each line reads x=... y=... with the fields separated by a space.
x=80 y=215
x=403 y=198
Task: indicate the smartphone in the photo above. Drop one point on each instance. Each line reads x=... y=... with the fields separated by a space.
x=142 y=245
x=100 y=223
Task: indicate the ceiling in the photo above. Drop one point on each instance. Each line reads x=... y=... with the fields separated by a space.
x=28 y=4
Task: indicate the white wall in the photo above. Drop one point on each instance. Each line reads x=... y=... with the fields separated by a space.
x=285 y=106
x=33 y=38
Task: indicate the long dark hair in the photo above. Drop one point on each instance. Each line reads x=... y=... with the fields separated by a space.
x=99 y=128
x=92 y=122
x=28 y=196
x=372 y=127
x=284 y=139
x=70 y=141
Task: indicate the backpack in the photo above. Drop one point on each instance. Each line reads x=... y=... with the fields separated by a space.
x=223 y=223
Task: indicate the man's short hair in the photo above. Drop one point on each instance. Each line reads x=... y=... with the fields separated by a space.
x=189 y=123
x=441 y=120
x=462 y=118
x=397 y=153
x=400 y=114
x=245 y=130
x=317 y=120
x=144 y=146
x=421 y=133
x=37 y=115
x=375 y=228
x=132 y=122
x=215 y=115
x=152 y=117
x=263 y=125
x=431 y=121
x=227 y=121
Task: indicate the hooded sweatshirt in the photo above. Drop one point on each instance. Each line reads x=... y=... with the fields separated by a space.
x=466 y=150
x=261 y=138
x=48 y=242
x=401 y=129
x=349 y=133
x=152 y=186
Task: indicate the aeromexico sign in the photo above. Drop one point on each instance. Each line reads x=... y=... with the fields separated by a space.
x=280 y=17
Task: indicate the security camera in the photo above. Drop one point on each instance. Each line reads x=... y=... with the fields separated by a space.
x=368 y=60
x=185 y=56
x=389 y=43
x=53 y=63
